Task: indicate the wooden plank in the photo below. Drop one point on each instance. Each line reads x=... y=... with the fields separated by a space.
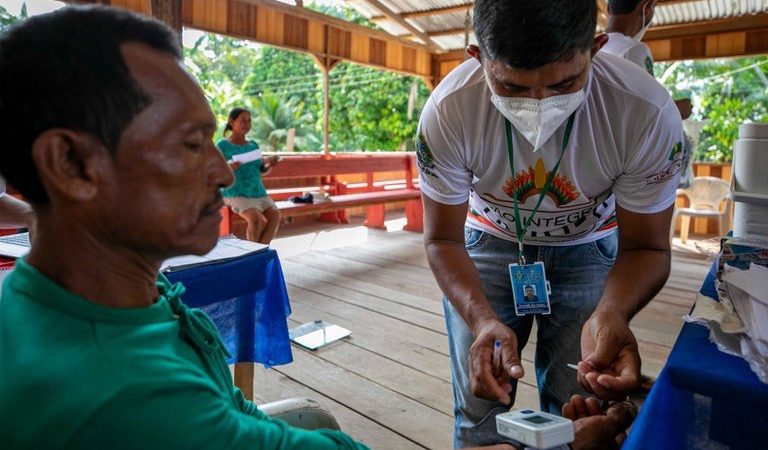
x=337 y=202
x=418 y=350
x=391 y=409
x=303 y=166
x=361 y=48
x=302 y=276
x=271 y=385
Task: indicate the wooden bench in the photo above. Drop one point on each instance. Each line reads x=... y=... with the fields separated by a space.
x=293 y=172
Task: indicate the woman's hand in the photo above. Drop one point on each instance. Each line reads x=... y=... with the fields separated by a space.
x=233 y=165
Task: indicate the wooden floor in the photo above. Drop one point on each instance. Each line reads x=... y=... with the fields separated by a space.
x=389 y=383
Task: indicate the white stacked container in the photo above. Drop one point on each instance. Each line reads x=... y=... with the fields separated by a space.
x=749 y=183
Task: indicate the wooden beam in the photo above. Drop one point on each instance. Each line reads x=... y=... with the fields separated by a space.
x=402 y=22
x=602 y=14
x=298 y=29
x=706 y=27
x=719 y=45
x=341 y=24
x=448 y=32
x=168 y=11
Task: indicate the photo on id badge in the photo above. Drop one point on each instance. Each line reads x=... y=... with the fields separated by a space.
x=530 y=289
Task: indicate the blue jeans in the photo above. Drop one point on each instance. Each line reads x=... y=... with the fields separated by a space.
x=577 y=274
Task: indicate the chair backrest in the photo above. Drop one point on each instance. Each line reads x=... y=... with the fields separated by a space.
x=707 y=192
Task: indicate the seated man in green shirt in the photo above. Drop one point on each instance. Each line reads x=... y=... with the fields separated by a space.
x=110 y=139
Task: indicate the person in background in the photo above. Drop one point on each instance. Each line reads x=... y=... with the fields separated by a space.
x=248 y=197
x=685 y=108
x=14 y=213
x=628 y=22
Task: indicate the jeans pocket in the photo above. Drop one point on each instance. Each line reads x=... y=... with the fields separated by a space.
x=473 y=237
x=605 y=249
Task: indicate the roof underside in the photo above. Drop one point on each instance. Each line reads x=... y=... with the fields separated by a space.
x=448 y=23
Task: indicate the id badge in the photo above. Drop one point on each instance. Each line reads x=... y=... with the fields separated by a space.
x=530 y=288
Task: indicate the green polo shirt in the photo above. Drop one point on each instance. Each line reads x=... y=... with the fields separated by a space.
x=77 y=375
x=248 y=181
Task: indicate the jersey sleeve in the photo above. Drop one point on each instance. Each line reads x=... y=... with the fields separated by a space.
x=641 y=55
x=652 y=170
x=443 y=175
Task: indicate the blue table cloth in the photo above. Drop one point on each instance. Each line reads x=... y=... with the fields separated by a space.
x=247 y=300
x=703 y=398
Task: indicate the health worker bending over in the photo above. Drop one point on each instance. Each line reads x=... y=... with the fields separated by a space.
x=544 y=163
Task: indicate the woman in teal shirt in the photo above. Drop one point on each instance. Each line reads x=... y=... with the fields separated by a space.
x=247 y=196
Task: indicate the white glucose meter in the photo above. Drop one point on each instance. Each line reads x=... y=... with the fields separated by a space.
x=536 y=429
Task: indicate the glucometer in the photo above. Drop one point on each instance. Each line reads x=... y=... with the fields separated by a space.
x=536 y=429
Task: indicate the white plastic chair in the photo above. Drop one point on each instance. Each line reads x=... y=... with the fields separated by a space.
x=302 y=413
x=708 y=197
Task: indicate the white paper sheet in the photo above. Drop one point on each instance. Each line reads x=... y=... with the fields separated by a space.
x=245 y=158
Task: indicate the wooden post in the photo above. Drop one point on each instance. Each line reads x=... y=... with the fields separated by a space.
x=244 y=379
x=326 y=109
x=168 y=11
x=326 y=63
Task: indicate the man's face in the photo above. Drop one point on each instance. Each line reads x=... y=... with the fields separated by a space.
x=162 y=193
x=529 y=292
x=555 y=78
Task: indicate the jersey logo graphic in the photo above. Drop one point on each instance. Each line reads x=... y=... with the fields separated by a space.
x=649 y=65
x=672 y=168
x=530 y=182
x=424 y=157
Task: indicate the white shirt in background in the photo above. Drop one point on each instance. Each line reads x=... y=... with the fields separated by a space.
x=627 y=48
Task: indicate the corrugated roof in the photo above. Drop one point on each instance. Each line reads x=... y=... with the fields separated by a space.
x=695 y=11
x=453 y=20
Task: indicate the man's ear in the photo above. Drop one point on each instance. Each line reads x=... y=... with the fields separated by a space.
x=474 y=51
x=600 y=41
x=70 y=164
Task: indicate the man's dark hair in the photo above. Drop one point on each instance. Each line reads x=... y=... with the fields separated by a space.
x=622 y=6
x=66 y=70
x=527 y=34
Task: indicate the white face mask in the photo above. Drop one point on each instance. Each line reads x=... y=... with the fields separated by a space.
x=537 y=120
x=639 y=36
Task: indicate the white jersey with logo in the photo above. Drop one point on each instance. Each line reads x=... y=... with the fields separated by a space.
x=625 y=149
x=627 y=48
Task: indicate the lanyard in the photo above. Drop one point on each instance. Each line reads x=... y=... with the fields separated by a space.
x=520 y=229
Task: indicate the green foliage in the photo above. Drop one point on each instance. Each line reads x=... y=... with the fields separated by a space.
x=284 y=89
x=7 y=19
x=369 y=109
x=725 y=92
x=273 y=117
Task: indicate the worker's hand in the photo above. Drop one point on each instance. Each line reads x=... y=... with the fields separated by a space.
x=233 y=165
x=610 y=365
x=490 y=379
